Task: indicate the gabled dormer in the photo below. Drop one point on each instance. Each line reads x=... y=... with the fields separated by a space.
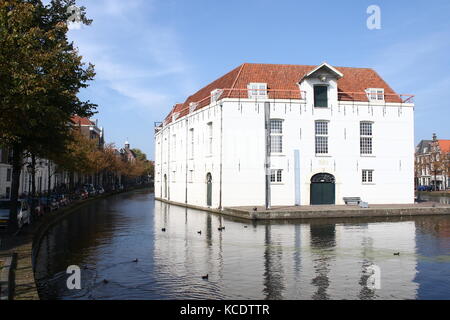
x=320 y=85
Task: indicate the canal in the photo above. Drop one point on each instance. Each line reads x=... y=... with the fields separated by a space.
x=320 y=259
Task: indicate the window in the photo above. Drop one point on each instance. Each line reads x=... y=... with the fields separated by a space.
x=210 y=138
x=276 y=136
x=321 y=137
x=257 y=90
x=321 y=96
x=191 y=176
x=375 y=94
x=174 y=147
x=192 y=143
x=367 y=176
x=276 y=176
x=366 y=146
x=8 y=175
x=215 y=95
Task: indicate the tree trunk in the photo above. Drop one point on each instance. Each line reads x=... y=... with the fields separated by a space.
x=33 y=184
x=15 y=183
x=49 y=182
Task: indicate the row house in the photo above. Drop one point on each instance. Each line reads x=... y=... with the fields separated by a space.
x=288 y=135
x=46 y=172
x=432 y=163
x=43 y=170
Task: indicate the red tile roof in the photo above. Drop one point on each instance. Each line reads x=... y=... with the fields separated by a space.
x=351 y=86
x=444 y=145
x=82 y=121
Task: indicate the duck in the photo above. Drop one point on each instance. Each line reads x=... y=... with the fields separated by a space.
x=205 y=277
x=199 y=232
x=397 y=254
x=245 y=227
x=136 y=260
x=105 y=281
x=163 y=229
x=255 y=209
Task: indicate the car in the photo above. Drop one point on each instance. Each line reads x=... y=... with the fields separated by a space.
x=82 y=194
x=23 y=213
x=100 y=190
x=90 y=190
x=49 y=203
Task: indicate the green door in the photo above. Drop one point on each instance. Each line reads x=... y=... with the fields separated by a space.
x=209 y=190
x=323 y=189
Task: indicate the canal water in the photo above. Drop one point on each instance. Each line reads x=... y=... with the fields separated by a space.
x=320 y=259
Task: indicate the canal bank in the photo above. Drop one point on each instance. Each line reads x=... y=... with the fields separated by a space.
x=319 y=212
x=23 y=249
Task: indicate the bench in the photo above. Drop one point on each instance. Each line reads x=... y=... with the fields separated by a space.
x=352 y=201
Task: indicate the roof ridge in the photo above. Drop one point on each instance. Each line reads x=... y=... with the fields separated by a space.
x=304 y=65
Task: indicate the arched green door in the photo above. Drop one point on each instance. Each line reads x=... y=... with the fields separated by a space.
x=209 y=190
x=323 y=189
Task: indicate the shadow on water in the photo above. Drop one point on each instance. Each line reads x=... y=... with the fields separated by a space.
x=315 y=259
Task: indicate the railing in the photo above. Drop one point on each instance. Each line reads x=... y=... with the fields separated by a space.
x=274 y=94
x=364 y=97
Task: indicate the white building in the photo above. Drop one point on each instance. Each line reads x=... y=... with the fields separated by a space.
x=43 y=170
x=333 y=133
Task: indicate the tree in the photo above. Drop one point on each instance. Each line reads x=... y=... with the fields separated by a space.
x=41 y=74
x=139 y=154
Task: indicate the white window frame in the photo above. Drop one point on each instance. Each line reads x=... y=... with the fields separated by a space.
x=367 y=176
x=210 y=139
x=366 y=148
x=192 y=144
x=174 y=147
x=257 y=90
x=375 y=94
x=276 y=176
x=279 y=135
x=321 y=134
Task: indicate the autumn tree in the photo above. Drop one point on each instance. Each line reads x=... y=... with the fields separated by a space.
x=41 y=74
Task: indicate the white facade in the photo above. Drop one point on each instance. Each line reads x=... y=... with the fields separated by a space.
x=42 y=174
x=227 y=140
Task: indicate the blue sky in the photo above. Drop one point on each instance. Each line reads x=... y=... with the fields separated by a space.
x=152 y=54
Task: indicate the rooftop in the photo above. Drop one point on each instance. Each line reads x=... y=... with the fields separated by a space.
x=282 y=83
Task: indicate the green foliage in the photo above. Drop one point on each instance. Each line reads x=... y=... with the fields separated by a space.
x=41 y=74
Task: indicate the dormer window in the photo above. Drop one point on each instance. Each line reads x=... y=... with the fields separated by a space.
x=320 y=96
x=215 y=95
x=192 y=106
x=375 y=94
x=257 y=90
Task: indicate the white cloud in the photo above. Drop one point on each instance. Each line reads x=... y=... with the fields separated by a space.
x=133 y=56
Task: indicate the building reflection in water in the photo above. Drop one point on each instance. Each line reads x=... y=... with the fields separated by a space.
x=309 y=259
x=292 y=260
x=323 y=241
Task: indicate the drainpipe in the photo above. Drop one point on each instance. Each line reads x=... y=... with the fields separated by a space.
x=168 y=165
x=221 y=155
x=267 y=153
x=161 y=148
x=186 y=163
